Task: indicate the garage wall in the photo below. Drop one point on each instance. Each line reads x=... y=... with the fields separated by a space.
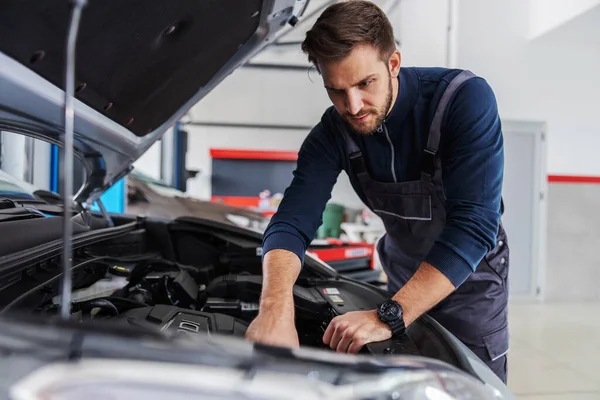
x=573 y=266
x=149 y=163
x=13 y=162
x=548 y=78
x=422 y=28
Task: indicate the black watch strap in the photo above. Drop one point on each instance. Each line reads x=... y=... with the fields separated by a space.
x=397 y=326
x=390 y=312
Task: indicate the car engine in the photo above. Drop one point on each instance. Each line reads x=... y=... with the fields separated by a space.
x=173 y=298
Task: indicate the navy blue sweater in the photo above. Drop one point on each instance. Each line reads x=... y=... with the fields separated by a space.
x=472 y=154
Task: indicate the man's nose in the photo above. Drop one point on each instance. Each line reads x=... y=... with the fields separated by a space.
x=354 y=103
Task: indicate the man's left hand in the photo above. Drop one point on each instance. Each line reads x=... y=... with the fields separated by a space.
x=348 y=333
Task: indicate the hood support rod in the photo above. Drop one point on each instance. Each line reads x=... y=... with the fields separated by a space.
x=67 y=284
x=105 y=213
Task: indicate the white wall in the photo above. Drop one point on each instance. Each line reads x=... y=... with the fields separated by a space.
x=573 y=268
x=546 y=15
x=13 y=159
x=149 y=163
x=265 y=96
x=422 y=26
x=553 y=78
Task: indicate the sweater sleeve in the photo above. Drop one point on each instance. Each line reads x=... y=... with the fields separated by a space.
x=473 y=167
x=300 y=212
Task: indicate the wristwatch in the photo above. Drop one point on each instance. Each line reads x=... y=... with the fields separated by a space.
x=390 y=312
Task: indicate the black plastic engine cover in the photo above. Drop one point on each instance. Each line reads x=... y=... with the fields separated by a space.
x=175 y=320
x=248 y=288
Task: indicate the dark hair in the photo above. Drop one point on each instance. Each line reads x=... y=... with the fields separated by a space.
x=343 y=26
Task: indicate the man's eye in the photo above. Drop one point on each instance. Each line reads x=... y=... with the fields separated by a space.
x=366 y=83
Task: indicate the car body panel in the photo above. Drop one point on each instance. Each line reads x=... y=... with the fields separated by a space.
x=153 y=198
x=98 y=358
x=150 y=197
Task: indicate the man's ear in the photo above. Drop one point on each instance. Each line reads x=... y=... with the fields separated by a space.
x=394 y=63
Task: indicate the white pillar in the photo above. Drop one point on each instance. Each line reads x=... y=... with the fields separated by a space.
x=41 y=165
x=13 y=159
x=167 y=157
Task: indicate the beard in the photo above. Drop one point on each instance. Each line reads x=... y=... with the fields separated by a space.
x=377 y=115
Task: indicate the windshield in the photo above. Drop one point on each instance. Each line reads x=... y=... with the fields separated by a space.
x=10 y=186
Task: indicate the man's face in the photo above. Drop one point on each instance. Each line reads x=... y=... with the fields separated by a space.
x=361 y=87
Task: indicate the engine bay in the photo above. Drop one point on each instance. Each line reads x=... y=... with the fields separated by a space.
x=185 y=277
x=158 y=295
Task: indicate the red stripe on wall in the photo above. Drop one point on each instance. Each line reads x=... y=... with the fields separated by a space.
x=254 y=154
x=573 y=179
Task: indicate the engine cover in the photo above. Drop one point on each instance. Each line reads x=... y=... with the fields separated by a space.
x=175 y=320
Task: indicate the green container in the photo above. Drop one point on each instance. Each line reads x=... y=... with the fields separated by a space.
x=333 y=216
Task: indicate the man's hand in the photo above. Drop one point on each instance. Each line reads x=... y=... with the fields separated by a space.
x=348 y=333
x=274 y=324
x=273 y=329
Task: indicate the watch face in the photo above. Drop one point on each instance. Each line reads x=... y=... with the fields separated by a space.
x=389 y=311
x=392 y=311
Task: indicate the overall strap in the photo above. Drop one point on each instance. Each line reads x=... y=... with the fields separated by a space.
x=429 y=158
x=356 y=158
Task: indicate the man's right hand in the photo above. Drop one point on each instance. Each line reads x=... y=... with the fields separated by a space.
x=275 y=324
x=273 y=329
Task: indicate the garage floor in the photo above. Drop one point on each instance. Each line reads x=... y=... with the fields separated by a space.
x=555 y=351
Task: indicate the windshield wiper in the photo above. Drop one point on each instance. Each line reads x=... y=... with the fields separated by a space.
x=6 y=203
x=16 y=214
x=48 y=196
x=13 y=210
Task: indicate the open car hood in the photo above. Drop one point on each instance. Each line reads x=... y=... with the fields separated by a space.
x=140 y=66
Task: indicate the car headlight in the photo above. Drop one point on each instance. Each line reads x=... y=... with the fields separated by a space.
x=424 y=385
x=128 y=379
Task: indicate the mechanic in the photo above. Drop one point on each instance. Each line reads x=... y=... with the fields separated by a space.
x=423 y=149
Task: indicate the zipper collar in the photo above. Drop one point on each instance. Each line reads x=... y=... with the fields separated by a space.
x=408 y=93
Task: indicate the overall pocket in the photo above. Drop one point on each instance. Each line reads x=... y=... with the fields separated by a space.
x=413 y=213
x=498 y=258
